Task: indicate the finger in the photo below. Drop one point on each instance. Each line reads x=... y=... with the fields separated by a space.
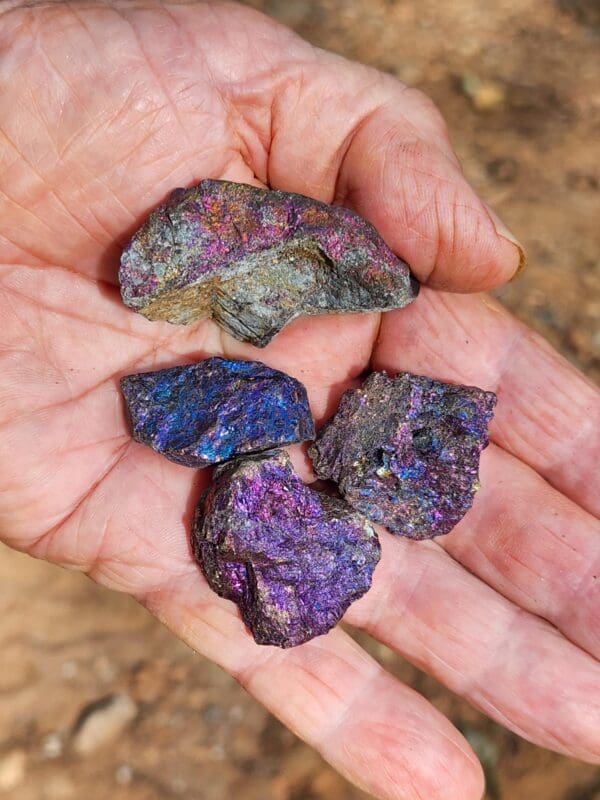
x=524 y=538
x=380 y=734
x=548 y=414
x=508 y=663
x=384 y=151
x=534 y=546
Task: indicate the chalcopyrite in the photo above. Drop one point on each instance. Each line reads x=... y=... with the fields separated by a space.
x=292 y=559
x=405 y=451
x=254 y=259
x=215 y=410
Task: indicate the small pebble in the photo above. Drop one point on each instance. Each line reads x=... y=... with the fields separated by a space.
x=102 y=721
x=485 y=95
x=52 y=746
x=123 y=774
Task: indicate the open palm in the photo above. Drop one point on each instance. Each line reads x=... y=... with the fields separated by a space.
x=103 y=110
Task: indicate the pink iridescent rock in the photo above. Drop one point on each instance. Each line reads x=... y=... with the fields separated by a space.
x=292 y=558
x=254 y=259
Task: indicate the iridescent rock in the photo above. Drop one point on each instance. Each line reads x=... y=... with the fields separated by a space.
x=293 y=559
x=254 y=259
x=212 y=411
x=405 y=451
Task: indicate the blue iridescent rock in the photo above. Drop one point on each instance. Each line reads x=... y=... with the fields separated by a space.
x=292 y=558
x=215 y=410
x=405 y=451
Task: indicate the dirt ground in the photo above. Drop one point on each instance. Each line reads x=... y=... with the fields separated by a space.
x=518 y=83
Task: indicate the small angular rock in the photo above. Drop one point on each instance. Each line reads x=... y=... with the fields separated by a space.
x=215 y=410
x=293 y=559
x=254 y=259
x=405 y=451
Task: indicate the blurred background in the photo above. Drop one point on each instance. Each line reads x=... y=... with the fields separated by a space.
x=519 y=84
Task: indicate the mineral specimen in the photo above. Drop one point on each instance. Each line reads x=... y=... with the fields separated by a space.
x=293 y=559
x=405 y=451
x=215 y=410
x=254 y=259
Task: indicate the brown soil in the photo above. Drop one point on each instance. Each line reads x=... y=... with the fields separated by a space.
x=518 y=83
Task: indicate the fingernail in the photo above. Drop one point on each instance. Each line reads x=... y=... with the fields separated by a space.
x=506 y=233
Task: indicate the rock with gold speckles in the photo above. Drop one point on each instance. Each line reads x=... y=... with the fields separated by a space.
x=405 y=451
x=254 y=259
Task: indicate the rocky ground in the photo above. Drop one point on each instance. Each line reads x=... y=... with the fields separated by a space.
x=96 y=699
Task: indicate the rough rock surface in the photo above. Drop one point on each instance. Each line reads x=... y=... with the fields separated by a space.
x=212 y=411
x=405 y=451
x=293 y=559
x=254 y=259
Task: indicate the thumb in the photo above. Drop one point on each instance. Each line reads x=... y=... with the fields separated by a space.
x=411 y=187
x=383 y=150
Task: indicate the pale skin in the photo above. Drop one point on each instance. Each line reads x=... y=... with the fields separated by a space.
x=103 y=110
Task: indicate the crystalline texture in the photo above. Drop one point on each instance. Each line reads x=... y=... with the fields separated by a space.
x=293 y=559
x=254 y=259
x=405 y=451
x=215 y=410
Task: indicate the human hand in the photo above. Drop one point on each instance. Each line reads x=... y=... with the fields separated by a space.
x=103 y=110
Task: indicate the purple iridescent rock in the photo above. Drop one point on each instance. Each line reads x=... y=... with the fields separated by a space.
x=405 y=451
x=293 y=559
x=218 y=409
x=254 y=259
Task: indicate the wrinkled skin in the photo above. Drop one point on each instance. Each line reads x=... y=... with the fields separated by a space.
x=102 y=112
